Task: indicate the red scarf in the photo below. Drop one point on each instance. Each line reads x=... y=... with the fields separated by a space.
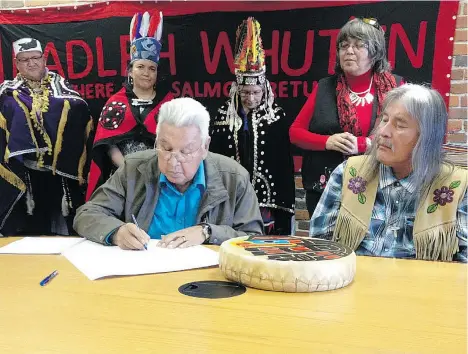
x=349 y=122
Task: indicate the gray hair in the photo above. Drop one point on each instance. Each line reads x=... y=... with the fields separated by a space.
x=182 y=112
x=372 y=36
x=428 y=108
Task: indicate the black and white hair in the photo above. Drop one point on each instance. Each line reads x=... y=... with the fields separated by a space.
x=428 y=108
x=373 y=37
x=182 y=112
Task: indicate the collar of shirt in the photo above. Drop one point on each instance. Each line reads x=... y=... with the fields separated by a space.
x=199 y=180
x=387 y=178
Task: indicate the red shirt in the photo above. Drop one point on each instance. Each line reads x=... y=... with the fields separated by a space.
x=299 y=133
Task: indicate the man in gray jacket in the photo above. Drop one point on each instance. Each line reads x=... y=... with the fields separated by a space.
x=179 y=192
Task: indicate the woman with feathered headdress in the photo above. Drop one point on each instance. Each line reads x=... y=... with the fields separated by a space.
x=252 y=129
x=128 y=120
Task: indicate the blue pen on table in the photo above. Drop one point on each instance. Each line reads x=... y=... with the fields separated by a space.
x=48 y=278
x=136 y=223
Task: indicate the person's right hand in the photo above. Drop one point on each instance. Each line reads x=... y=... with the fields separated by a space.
x=130 y=237
x=341 y=142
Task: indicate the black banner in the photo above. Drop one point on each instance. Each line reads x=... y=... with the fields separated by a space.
x=196 y=58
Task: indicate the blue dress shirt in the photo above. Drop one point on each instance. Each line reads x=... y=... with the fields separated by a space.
x=175 y=210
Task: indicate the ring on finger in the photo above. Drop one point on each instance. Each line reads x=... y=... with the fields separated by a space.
x=184 y=239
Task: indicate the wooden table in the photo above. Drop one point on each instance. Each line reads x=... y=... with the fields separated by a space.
x=393 y=306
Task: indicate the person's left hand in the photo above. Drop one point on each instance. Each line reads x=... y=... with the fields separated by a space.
x=191 y=236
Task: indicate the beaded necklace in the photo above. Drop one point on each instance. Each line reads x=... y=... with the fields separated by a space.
x=40 y=104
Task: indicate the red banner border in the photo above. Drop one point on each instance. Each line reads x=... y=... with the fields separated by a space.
x=89 y=12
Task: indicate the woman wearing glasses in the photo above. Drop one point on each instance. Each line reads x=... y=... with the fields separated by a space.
x=252 y=129
x=339 y=115
x=128 y=120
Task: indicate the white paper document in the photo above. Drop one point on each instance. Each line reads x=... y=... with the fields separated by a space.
x=40 y=245
x=98 y=261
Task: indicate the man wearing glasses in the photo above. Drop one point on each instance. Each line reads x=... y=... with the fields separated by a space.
x=178 y=192
x=44 y=129
x=253 y=130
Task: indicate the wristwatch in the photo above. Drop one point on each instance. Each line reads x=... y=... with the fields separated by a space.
x=206 y=230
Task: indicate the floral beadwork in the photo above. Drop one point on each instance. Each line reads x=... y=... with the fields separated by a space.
x=320 y=185
x=357 y=185
x=323 y=180
x=443 y=196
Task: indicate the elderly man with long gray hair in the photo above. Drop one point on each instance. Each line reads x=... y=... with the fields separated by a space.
x=402 y=199
x=178 y=192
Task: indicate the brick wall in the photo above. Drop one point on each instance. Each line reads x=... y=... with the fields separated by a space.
x=458 y=120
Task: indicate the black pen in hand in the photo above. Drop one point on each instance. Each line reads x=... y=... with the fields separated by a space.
x=136 y=223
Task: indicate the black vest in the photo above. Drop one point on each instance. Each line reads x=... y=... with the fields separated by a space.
x=325 y=121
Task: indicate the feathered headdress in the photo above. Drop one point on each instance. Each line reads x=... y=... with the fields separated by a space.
x=249 y=59
x=145 y=36
x=249 y=64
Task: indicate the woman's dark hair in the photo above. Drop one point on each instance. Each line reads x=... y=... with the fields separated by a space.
x=369 y=32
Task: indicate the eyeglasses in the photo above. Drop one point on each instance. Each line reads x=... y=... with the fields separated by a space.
x=359 y=45
x=371 y=21
x=32 y=59
x=182 y=157
x=249 y=93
